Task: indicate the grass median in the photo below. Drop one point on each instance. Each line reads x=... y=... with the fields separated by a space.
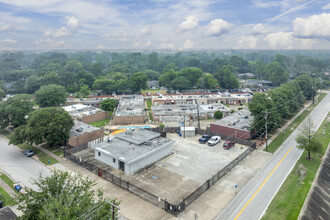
x=276 y=143
x=43 y=157
x=9 y=201
x=290 y=198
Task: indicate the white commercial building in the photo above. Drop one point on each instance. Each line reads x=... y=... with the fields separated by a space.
x=133 y=150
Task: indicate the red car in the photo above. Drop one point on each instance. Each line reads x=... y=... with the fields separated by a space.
x=228 y=144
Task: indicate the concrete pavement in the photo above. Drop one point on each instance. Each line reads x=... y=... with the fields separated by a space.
x=252 y=201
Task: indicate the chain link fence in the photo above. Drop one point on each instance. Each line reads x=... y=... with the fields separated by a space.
x=149 y=197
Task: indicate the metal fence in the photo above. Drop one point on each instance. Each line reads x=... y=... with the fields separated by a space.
x=149 y=197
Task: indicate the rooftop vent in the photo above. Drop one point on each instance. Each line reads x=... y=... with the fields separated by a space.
x=148 y=142
x=79 y=129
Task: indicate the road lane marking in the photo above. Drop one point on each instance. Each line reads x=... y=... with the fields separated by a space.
x=263 y=183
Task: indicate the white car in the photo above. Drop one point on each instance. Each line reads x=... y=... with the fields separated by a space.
x=214 y=140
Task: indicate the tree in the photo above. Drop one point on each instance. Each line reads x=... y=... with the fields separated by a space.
x=276 y=73
x=218 y=114
x=96 y=69
x=66 y=196
x=192 y=74
x=138 y=81
x=109 y=104
x=226 y=79
x=180 y=83
x=166 y=78
x=51 y=95
x=207 y=81
x=50 y=124
x=2 y=94
x=84 y=92
x=258 y=106
x=259 y=69
x=14 y=110
x=306 y=139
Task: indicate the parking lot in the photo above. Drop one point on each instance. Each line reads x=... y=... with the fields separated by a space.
x=178 y=175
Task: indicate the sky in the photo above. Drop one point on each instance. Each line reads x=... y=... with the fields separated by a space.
x=178 y=25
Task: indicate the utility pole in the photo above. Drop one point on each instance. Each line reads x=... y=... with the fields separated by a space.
x=313 y=87
x=199 y=124
x=184 y=126
x=266 y=117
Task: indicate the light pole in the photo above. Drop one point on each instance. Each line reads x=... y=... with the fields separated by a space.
x=313 y=87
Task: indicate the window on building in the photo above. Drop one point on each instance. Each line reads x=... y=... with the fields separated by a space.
x=99 y=154
x=114 y=160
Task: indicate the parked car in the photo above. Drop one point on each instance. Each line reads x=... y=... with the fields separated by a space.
x=214 y=140
x=18 y=188
x=204 y=139
x=228 y=144
x=29 y=152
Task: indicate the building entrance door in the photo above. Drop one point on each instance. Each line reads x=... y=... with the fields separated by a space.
x=121 y=165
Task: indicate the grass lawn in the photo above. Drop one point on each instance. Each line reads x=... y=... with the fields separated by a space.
x=9 y=201
x=290 y=198
x=58 y=153
x=150 y=116
x=44 y=158
x=149 y=103
x=276 y=143
x=103 y=122
x=7 y=180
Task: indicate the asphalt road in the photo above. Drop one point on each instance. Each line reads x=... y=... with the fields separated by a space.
x=253 y=199
x=19 y=167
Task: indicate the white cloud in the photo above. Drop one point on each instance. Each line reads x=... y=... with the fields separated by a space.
x=259 y=29
x=165 y=45
x=190 y=23
x=218 y=27
x=247 y=42
x=188 y=45
x=326 y=7
x=8 y=41
x=148 y=43
x=145 y=31
x=72 y=23
x=101 y=47
x=286 y=40
x=51 y=42
x=316 y=26
x=5 y=27
x=62 y=32
x=136 y=44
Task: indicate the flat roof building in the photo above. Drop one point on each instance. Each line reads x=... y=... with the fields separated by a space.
x=236 y=125
x=86 y=114
x=133 y=150
x=82 y=134
x=176 y=112
x=130 y=110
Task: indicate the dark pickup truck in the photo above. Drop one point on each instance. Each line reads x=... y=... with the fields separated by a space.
x=205 y=138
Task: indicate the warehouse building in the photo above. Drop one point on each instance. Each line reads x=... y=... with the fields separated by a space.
x=130 y=110
x=236 y=125
x=133 y=150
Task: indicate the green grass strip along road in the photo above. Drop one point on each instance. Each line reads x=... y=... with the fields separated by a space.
x=276 y=143
x=44 y=158
x=9 y=201
x=291 y=197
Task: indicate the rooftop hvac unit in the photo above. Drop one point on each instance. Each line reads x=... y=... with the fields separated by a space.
x=79 y=129
x=148 y=142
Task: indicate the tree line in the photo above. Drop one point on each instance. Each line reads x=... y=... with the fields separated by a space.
x=109 y=72
x=279 y=103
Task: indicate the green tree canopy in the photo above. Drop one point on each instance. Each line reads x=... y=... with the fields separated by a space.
x=226 y=79
x=166 y=78
x=138 y=81
x=66 y=196
x=306 y=139
x=180 y=83
x=50 y=124
x=218 y=114
x=15 y=109
x=83 y=92
x=109 y=104
x=192 y=74
x=276 y=73
x=51 y=95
